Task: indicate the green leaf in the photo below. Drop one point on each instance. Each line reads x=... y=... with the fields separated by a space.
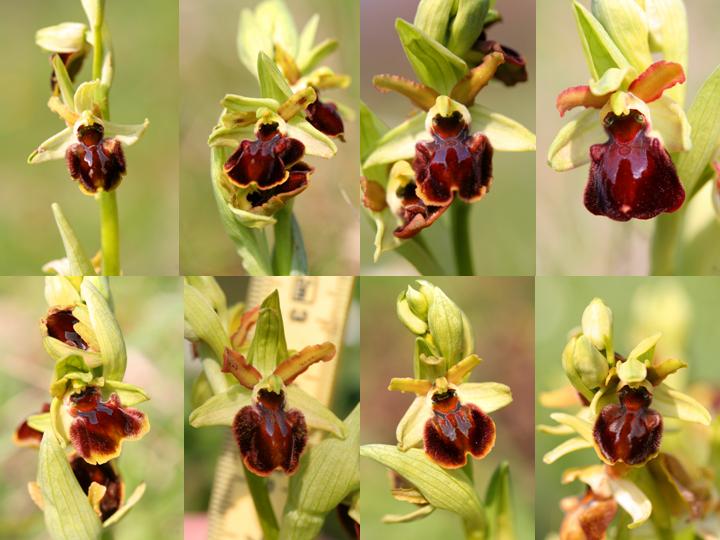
x=80 y=265
x=328 y=474
x=272 y=82
x=209 y=288
x=316 y=414
x=221 y=409
x=447 y=489
x=433 y=64
x=704 y=118
x=467 y=25
x=206 y=324
x=371 y=129
x=498 y=505
x=268 y=346
x=63 y=81
x=627 y=26
x=505 y=134
x=129 y=394
x=298 y=264
x=249 y=243
x=107 y=332
x=600 y=50
x=68 y=514
x=432 y=17
x=571 y=146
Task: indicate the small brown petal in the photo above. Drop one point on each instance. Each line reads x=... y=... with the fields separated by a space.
x=587 y=518
x=24 y=435
x=373 y=195
x=104 y=475
x=325 y=117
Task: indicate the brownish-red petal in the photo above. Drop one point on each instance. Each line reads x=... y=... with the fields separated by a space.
x=60 y=324
x=269 y=436
x=373 y=195
x=104 y=475
x=270 y=200
x=99 y=427
x=299 y=362
x=579 y=96
x=513 y=70
x=95 y=162
x=235 y=363
x=324 y=116
x=456 y=430
x=657 y=78
x=629 y=431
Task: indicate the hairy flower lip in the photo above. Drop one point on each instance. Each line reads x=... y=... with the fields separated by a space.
x=60 y=324
x=415 y=214
x=264 y=162
x=631 y=175
x=270 y=436
x=96 y=162
x=24 y=435
x=104 y=475
x=453 y=161
x=629 y=432
x=297 y=181
x=457 y=429
x=98 y=427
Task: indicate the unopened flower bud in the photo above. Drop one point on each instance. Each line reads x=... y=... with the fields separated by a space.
x=417 y=301
x=597 y=323
x=589 y=363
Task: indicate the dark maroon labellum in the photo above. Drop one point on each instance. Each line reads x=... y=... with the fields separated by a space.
x=456 y=430
x=630 y=431
x=269 y=436
x=324 y=117
x=105 y=475
x=631 y=175
x=416 y=215
x=265 y=161
x=296 y=183
x=99 y=427
x=96 y=162
x=453 y=161
x=60 y=324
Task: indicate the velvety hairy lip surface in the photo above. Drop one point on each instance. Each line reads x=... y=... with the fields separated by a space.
x=94 y=161
x=456 y=430
x=631 y=175
x=630 y=431
x=269 y=435
x=453 y=161
x=99 y=427
x=264 y=161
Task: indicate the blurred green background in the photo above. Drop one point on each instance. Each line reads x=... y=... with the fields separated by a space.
x=503 y=223
x=149 y=311
x=328 y=211
x=571 y=240
x=683 y=309
x=204 y=446
x=501 y=314
x=145 y=85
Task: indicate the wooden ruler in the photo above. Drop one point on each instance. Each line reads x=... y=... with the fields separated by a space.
x=314 y=310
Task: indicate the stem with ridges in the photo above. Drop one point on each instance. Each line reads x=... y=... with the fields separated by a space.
x=460 y=231
x=664 y=243
x=263 y=507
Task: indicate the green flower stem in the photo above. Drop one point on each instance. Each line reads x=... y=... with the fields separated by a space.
x=283 y=250
x=109 y=233
x=665 y=242
x=417 y=253
x=261 y=498
x=460 y=231
x=98 y=41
